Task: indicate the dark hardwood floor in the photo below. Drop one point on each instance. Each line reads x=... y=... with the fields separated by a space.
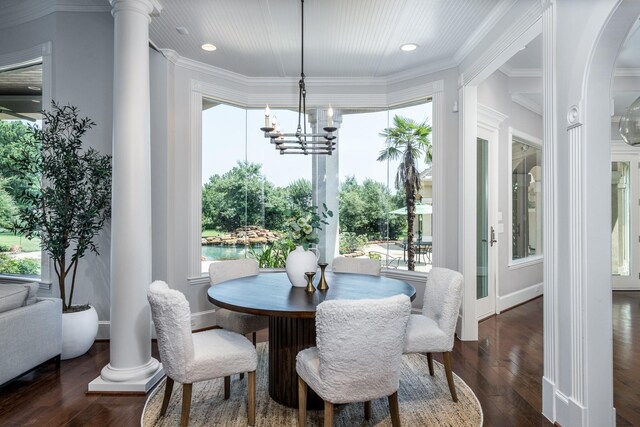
x=504 y=369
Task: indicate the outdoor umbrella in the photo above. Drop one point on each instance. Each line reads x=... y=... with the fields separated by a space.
x=420 y=210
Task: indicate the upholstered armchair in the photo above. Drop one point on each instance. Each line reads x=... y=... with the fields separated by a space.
x=433 y=331
x=188 y=358
x=358 y=355
x=356 y=265
x=242 y=323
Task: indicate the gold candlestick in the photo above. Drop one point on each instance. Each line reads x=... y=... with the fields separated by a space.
x=322 y=285
x=310 y=287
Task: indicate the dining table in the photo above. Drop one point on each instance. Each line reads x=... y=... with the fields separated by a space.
x=291 y=311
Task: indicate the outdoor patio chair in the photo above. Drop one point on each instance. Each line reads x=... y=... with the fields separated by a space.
x=434 y=329
x=188 y=358
x=357 y=357
x=242 y=323
x=356 y=265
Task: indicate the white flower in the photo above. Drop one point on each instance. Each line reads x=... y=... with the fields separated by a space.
x=307 y=229
x=302 y=221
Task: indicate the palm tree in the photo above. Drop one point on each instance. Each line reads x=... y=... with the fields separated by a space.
x=407 y=141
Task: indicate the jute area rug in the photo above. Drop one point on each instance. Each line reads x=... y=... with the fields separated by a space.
x=424 y=401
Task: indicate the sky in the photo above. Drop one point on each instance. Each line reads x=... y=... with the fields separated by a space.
x=225 y=129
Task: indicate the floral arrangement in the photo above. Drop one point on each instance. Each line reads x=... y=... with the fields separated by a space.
x=303 y=227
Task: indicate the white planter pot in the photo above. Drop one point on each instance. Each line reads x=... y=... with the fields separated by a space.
x=79 y=331
x=299 y=262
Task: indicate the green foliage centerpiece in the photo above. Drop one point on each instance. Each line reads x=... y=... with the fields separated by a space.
x=303 y=232
x=303 y=227
x=71 y=201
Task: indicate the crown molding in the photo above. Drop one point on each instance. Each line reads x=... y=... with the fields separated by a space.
x=496 y=14
x=29 y=10
x=510 y=71
x=527 y=103
x=490 y=117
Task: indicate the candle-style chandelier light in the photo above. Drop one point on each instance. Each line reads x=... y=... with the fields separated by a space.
x=301 y=142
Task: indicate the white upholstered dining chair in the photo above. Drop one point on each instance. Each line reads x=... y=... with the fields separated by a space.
x=242 y=323
x=188 y=358
x=357 y=357
x=356 y=265
x=433 y=331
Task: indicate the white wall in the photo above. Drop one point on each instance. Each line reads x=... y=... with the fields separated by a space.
x=82 y=75
x=494 y=93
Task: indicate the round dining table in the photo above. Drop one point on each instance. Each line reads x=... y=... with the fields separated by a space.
x=291 y=311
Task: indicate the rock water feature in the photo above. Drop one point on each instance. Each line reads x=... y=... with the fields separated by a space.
x=234 y=245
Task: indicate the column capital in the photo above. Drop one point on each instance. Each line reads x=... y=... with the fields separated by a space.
x=144 y=7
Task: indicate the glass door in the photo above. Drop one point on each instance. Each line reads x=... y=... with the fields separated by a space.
x=486 y=234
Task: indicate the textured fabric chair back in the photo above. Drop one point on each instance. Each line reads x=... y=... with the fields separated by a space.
x=172 y=319
x=360 y=346
x=442 y=298
x=228 y=270
x=356 y=265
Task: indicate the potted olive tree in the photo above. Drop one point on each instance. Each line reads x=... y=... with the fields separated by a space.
x=66 y=206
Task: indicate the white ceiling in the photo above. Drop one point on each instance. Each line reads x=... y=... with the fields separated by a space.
x=343 y=38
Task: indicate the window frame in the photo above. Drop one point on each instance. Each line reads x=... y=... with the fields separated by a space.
x=532 y=141
x=200 y=89
x=38 y=53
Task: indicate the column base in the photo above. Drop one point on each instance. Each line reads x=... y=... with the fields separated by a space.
x=137 y=380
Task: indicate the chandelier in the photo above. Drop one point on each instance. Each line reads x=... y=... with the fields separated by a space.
x=301 y=142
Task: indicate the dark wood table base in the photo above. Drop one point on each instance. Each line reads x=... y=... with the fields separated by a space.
x=287 y=336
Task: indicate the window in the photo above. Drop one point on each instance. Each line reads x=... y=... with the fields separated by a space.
x=373 y=214
x=249 y=189
x=21 y=93
x=526 y=199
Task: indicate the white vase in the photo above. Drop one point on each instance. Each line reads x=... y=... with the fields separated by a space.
x=299 y=262
x=79 y=330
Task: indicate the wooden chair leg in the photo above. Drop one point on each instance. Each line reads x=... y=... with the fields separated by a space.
x=251 y=391
x=395 y=411
x=302 y=402
x=254 y=339
x=168 y=388
x=430 y=362
x=328 y=414
x=227 y=387
x=186 y=405
x=367 y=410
x=449 y=371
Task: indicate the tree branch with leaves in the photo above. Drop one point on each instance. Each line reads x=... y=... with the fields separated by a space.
x=70 y=203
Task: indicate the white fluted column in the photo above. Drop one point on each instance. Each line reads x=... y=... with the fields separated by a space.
x=131 y=367
x=325 y=185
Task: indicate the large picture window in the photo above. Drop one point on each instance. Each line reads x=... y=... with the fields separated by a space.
x=526 y=199
x=20 y=105
x=250 y=191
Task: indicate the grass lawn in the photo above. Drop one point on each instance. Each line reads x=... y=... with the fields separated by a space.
x=8 y=239
x=212 y=233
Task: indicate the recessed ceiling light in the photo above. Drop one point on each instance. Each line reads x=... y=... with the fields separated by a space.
x=409 y=47
x=33 y=87
x=37 y=101
x=208 y=47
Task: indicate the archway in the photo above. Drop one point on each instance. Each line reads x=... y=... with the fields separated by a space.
x=582 y=44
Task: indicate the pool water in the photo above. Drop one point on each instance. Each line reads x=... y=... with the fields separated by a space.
x=222 y=252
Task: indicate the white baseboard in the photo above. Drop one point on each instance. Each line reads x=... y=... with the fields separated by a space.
x=505 y=302
x=199 y=320
x=203 y=319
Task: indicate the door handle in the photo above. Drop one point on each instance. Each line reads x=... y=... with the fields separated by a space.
x=493 y=236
